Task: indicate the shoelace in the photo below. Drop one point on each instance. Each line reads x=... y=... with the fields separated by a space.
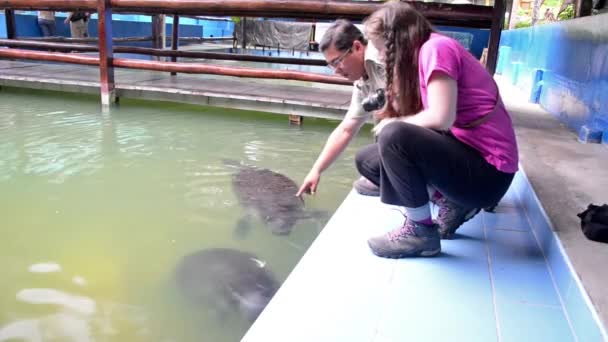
x=406 y=230
x=444 y=209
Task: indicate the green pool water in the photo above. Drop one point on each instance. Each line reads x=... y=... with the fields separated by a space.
x=98 y=208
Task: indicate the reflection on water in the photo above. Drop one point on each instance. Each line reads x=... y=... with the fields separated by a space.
x=98 y=210
x=72 y=317
x=45 y=267
x=78 y=304
x=72 y=326
x=58 y=327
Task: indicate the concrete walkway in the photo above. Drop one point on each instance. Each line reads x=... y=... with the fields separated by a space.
x=567 y=176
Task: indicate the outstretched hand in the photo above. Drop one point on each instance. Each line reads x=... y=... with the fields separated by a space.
x=310 y=183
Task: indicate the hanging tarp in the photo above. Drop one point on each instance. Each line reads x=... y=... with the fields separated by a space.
x=283 y=34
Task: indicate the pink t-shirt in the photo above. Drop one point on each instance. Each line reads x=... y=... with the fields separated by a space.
x=477 y=94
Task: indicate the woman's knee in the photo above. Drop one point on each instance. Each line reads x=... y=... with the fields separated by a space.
x=365 y=155
x=359 y=157
x=400 y=134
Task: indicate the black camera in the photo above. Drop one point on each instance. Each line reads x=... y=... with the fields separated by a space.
x=374 y=101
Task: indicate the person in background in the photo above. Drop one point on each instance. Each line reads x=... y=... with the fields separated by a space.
x=549 y=16
x=444 y=126
x=46 y=22
x=79 y=22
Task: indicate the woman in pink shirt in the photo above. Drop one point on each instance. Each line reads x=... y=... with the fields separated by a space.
x=445 y=135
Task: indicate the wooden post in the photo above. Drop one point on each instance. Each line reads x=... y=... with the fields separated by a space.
x=106 y=56
x=175 y=39
x=244 y=33
x=498 y=18
x=163 y=31
x=153 y=26
x=11 y=27
x=295 y=119
x=11 y=30
x=513 y=9
x=313 y=45
x=156 y=32
x=583 y=8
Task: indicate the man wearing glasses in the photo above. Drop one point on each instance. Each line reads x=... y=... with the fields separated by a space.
x=349 y=55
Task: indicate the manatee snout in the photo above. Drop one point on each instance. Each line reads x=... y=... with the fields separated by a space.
x=253 y=303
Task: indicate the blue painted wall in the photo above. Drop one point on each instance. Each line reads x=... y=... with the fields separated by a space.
x=480 y=37
x=27 y=26
x=2 y=25
x=124 y=26
x=573 y=59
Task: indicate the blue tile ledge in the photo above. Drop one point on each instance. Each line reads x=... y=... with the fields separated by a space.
x=492 y=283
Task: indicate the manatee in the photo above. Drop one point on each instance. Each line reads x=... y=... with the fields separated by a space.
x=270 y=196
x=225 y=280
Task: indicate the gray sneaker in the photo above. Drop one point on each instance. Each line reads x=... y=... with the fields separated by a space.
x=411 y=240
x=451 y=216
x=365 y=187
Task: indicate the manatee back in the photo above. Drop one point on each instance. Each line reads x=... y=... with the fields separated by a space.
x=230 y=274
x=264 y=188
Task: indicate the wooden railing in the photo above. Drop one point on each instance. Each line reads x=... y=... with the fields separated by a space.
x=160 y=52
x=439 y=13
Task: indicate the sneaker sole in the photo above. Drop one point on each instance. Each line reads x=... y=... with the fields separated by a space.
x=426 y=254
x=366 y=191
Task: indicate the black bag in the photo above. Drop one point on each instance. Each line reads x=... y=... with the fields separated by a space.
x=594 y=222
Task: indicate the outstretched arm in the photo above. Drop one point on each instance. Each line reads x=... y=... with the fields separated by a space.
x=336 y=143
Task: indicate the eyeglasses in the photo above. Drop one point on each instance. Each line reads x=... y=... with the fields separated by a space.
x=338 y=60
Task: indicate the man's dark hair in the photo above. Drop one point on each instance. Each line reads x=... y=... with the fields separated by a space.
x=341 y=34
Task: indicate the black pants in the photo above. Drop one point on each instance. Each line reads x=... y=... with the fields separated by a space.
x=407 y=158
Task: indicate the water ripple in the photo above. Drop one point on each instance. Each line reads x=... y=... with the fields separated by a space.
x=80 y=304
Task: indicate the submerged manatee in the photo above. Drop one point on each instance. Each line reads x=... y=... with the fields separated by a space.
x=271 y=196
x=226 y=280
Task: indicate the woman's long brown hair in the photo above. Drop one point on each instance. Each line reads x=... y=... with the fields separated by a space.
x=403 y=30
